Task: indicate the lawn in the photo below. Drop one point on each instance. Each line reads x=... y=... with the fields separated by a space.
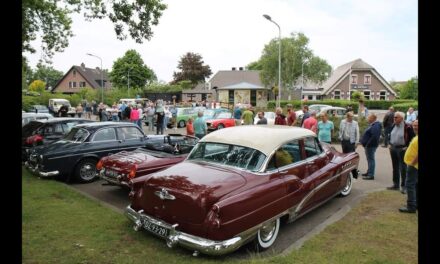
x=60 y=225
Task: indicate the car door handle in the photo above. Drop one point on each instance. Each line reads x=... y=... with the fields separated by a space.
x=283 y=172
x=311 y=163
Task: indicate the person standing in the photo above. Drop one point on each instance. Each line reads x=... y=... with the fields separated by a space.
x=79 y=110
x=291 y=115
x=141 y=112
x=248 y=117
x=115 y=111
x=305 y=115
x=150 y=117
x=370 y=141
x=88 y=111
x=325 y=129
x=190 y=127
x=63 y=111
x=280 y=119
x=349 y=133
x=237 y=115
x=200 y=127
x=400 y=137
x=362 y=111
x=159 y=117
x=134 y=115
x=410 y=116
x=411 y=159
x=167 y=117
x=388 y=122
x=262 y=120
x=311 y=123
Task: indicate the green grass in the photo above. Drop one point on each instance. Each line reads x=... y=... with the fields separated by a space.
x=62 y=226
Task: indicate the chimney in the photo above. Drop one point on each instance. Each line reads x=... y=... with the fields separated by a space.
x=83 y=66
x=241 y=68
x=233 y=68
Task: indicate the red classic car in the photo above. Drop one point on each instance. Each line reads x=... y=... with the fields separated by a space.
x=220 y=120
x=234 y=188
x=120 y=168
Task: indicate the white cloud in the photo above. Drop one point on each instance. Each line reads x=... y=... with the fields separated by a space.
x=231 y=33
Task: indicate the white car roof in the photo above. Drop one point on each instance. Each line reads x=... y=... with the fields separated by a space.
x=263 y=138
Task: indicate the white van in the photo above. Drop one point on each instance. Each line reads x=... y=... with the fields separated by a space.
x=55 y=104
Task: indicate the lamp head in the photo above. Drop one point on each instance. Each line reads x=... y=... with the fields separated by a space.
x=267 y=17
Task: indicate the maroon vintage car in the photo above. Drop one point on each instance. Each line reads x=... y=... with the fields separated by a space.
x=234 y=188
x=120 y=168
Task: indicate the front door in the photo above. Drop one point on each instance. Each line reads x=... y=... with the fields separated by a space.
x=130 y=138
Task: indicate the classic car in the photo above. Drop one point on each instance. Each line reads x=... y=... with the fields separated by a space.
x=210 y=113
x=76 y=155
x=28 y=117
x=270 y=116
x=183 y=114
x=333 y=111
x=38 y=109
x=45 y=131
x=120 y=168
x=314 y=107
x=235 y=188
x=220 y=120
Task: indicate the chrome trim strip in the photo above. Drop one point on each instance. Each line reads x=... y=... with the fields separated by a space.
x=317 y=188
x=206 y=246
x=72 y=155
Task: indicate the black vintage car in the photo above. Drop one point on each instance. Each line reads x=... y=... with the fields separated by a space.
x=76 y=155
x=45 y=131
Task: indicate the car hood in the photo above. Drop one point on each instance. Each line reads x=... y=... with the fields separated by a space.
x=194 y=186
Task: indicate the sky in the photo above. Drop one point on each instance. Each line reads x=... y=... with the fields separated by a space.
x=232 y=33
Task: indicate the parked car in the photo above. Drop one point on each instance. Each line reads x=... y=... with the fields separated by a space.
x=220 y=120
x=334 y=111
x=183 y=114
x=314 y=107
x=28 y=117
x=210 y=113
x=39 y=109
x=76 y=155
x=120 y=168
x=45 y=131
x=55 y=105
x=270 y=116
x=237 y=185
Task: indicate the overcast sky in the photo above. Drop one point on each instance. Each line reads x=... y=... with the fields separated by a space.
x=232 y=33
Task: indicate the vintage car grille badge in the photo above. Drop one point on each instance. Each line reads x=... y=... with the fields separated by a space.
x=164 y=195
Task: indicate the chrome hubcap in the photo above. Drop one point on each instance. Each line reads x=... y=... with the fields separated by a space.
x=87 y=171
x=347 y=187
x=267 y=231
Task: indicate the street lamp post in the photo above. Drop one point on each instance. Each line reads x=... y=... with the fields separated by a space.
x=102 y=78
x=279 y=58
x=302 y=79
x=128 y=84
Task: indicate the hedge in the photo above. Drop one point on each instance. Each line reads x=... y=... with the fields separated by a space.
x=404 y=106
x=373 y=104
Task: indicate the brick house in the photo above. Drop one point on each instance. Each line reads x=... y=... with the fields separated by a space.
x=78 y=77
x=354 y=76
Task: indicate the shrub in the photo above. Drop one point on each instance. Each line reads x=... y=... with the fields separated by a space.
x=403 y=107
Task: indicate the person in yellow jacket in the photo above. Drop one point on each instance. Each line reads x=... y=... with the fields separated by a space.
x=412 y=160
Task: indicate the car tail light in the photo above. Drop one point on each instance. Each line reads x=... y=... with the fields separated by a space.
x=132 y=172
x=34 y=139
x=99 y=165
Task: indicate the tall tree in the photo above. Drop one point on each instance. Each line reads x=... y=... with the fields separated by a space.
x=410 y=90
x=48 y=74
x=26 y=73
x=192 y=69
x=131 y=68
x=51 y=20
x=294 y=52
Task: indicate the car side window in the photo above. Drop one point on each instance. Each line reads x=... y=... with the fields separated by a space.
x=312 y=147
x=127 y=133
x=105 y=135
x=288 y=153
x=58 y=129
x=68 y=126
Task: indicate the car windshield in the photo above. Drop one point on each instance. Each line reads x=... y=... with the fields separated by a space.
x=77 y=134
x=209 y=113
x=231 y=155
x=221 y=115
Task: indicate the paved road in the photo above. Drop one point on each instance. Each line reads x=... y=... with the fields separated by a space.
x=291 y=235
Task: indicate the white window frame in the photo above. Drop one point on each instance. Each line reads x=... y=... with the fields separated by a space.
x=72 y=84
x=353 y=79
x=334 y=94
x=365 y=78
x=82 y=83
x=384 y=96
x=370 y=94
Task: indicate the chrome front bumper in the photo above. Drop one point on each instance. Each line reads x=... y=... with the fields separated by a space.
x=111 y=180
x=198 y=244
x=37 y=171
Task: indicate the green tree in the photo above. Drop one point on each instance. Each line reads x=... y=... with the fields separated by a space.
x=26 y=73
x=356 y=96
x=88 y=94
x=192 y=68
x=51 y=20
x=131 y=64
x=48 y=74
x=294 y=51
x=410 y=90
x=37 y=86
x=256 y=66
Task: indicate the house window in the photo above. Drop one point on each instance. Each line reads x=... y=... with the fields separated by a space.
x=72 y=84
x=383 y=95
x=82 y=84
x=310 y=97
x=337 y=94
x=367 y=79
x=231 y=96
x=354 y=79
x=253 y=97
x=367 y=95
